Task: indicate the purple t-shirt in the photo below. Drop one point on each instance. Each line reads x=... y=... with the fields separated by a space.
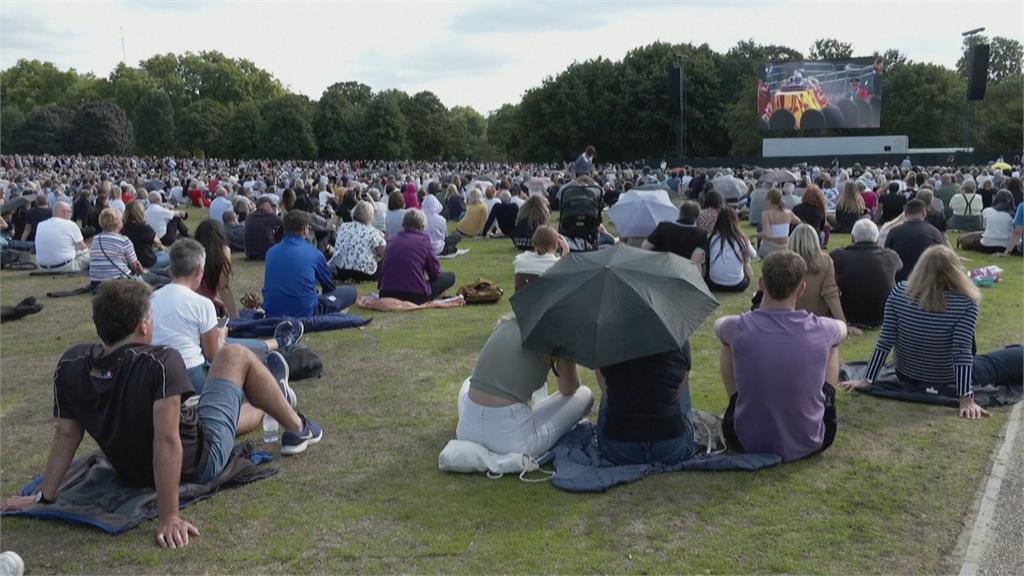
x=779 y=362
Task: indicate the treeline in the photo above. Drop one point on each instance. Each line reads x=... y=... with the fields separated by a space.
x=210 y=104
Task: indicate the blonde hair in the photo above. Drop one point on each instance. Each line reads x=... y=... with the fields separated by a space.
x=774 y=197
x=475 y=197
x=109 y=219
x=939 y=271
x=544 y=240
x=804 y=241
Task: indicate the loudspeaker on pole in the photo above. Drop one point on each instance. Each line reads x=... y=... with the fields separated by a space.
x=977 y=71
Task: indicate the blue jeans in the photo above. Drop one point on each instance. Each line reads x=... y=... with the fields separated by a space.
x=219 y=407
x=163 y=260
x=663 y=452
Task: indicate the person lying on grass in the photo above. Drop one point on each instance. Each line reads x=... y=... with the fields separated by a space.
x=777 y=405
x=128 y=395
x=930 y=321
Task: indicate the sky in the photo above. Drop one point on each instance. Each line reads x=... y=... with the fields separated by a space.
x=479 y=54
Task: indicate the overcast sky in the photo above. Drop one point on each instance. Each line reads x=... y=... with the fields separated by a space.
x=481 y=54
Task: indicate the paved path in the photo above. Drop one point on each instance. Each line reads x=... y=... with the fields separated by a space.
x=996 y=546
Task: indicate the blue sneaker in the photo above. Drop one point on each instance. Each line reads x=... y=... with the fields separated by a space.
x=288 y=333
x=278 y=367
x=295 y=442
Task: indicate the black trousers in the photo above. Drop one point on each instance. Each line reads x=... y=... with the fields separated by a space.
x=444 y=281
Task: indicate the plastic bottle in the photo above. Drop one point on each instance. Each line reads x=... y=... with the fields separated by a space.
x=269 y=429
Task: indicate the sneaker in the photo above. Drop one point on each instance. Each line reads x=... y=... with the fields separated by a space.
x=288 y=333
x=295 y=442
x=278 y=366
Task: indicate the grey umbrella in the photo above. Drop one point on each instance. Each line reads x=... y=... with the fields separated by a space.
x=609 y=306
x=152 y=185
x=779 y=176
x=730 y=187
x=17 y=202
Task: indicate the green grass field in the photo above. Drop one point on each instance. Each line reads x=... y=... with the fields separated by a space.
x=891 y=495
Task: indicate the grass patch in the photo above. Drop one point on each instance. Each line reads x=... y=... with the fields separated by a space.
x=891 y=495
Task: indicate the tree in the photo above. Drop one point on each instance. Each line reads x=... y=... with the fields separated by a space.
x=925 y=102
x=200 y=128
x=242 y=131
x=44 y=131
x=502 y=132
x=999 y=125
x=286 y=132
x=467 y=128
x=428 y=126
x=154 y=123
x=101 y=128
x=893 y=58
x=31 y=83
x=11 y=117
x=741 y=122
x=387 y=129
x=339 y=118
x=127 y=85
x=830 y=49
x=1004 y=61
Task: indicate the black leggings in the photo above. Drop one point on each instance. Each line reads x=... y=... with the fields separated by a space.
x=444 y=281
x=719 y=288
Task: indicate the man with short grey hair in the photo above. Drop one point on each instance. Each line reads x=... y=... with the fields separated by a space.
x=60 y=247
x=163 y=220
x=865 y=273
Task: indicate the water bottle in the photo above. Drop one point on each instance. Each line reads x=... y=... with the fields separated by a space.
x=269 y=429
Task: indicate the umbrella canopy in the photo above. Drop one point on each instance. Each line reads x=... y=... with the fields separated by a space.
x=653 y=186
x=151 y=185
x=779 y=176
x=638 y=212
x=1001 y=166
x=17 y=202
x=604 y=307
x=538 y=185
x=730 y=187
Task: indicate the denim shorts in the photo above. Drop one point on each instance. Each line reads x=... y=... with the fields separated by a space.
x=219 y=407
x=197 y=374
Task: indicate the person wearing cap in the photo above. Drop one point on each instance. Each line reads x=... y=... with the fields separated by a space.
x=260 y=229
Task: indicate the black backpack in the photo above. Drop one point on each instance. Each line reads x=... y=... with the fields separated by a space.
x=580 y=213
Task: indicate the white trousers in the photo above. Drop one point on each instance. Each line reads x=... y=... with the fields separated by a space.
x=517 y=428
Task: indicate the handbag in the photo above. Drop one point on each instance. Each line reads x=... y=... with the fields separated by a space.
x=482 y=291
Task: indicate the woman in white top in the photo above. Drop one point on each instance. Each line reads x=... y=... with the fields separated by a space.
x=529 y=265
x=998 y=218
x=729 y=255
x=966 y=207
x=775 y=223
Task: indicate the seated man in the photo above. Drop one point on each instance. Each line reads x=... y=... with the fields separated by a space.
x=234 y=231
x=260 y=227
x=504 y=214
x=777 y=405
x=128 y=395
x=865 y=273
x=294 y=268
x=60 y=247
x=913 y=237
x=39 y=212
x=644 y=416
x=187 y=321
x=165 y=222
x=683 y=237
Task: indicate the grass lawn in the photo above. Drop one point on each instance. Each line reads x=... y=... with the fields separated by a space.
x=891 y=495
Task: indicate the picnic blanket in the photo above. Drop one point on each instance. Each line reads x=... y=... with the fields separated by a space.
x=580 y=468
x=92 y=494
x=888 y=385
x=374 y=302
x=455 y=254
x=252 y=324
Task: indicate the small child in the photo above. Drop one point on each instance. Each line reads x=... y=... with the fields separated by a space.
x=546 y=241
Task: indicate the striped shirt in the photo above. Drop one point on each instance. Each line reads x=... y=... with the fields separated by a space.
x=110 y=256
x=932 y=347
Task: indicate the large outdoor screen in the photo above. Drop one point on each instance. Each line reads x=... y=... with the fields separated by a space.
x=814 y=95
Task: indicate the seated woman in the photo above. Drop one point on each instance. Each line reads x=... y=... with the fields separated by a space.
x=711 y=206
x=454 y=205
x=217 y=272
x=644 y=416
x=966 y=207
x=821 y=294
x=493 y=409
x=408 y=256
x=112 y=255
x=546 y=244
x=891 y=203
x=811 y=210
x=998 y=221
x=437 y=227
x=849 y=208
x=472 y=223
x=143 y=237
x=729 y=256
x=531 y=216
x=396 y=212
x=358 y=246
x=775 y=223
x=930 y=321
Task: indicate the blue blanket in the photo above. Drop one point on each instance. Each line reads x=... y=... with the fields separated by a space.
x=252 y=326
x=92 y=493
x=580 y=468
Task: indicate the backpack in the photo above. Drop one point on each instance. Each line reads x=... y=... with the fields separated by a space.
x=580 y=213
x=303 y=363
x=482 y=291
x=16 y=260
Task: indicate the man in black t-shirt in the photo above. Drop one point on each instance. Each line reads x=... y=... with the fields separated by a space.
x=683 y=237
x=913 y=237
x=128 y=396
x=39 y=212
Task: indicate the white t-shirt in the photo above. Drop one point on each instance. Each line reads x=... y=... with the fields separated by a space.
x=533 y=263
x=157 y=217
x=725 y=268
x=117 y=204
x=55 y=241
x=218 y=207
x=998 y=227
x=180 y=316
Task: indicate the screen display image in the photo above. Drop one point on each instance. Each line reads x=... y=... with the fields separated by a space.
x=814 y=95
